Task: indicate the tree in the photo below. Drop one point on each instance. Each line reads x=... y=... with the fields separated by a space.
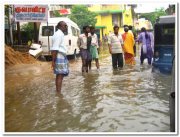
x=153 y=16
x=170 y=10
x=28 y=29
x=82 y=16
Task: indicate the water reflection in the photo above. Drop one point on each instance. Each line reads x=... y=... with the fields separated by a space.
x=57 y=118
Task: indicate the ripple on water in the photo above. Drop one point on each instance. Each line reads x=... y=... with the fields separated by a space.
x=129 y=100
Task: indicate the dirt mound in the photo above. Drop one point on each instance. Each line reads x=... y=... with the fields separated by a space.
x=13 y=57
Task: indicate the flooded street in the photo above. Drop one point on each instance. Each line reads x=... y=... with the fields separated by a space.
x=129 y=100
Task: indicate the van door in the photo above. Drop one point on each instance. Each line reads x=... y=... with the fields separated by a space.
x=71 y=40
x=164 y=42
x=45 y=32
x=74 y=47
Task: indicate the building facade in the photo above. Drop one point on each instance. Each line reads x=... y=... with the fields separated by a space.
x=111 y=15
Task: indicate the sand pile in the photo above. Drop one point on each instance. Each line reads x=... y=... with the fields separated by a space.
x=13 y=57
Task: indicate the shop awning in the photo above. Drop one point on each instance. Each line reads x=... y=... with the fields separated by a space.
x=100 y=27
x=64 y=11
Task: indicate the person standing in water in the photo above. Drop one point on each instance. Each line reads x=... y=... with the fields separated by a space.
x=128 y=47
x=84 y=42
x=134 y=36
x=93 y=48
x=59 y=59
x=115 y=43
x=146 y=49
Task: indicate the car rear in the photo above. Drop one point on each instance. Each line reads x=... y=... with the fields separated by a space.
x=164 y=44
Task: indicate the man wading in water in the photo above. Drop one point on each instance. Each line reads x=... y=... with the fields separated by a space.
x=59 y=59
x=84 y=42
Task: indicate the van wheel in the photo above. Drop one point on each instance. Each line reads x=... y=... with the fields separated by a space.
x=75 y=55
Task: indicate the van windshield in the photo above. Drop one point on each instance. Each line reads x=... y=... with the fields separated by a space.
x=47 y=30
x=165 y=34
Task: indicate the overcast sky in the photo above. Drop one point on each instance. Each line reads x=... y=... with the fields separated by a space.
x=150 y=7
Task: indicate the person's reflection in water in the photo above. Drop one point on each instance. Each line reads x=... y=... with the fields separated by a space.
x=61 y=114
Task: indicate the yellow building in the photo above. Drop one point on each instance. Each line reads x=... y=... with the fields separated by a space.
x=111 y=15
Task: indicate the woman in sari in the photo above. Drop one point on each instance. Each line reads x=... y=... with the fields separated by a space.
x=128 y=39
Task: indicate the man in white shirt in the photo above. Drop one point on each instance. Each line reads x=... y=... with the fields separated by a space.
x=83 y=42
x=115 y=43
x=59 y=59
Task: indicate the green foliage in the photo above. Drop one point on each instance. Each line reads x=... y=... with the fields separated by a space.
x=82 y=16
x=28 y=29
x=153 y=15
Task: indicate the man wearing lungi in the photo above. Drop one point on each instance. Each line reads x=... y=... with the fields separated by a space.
x=59 y=59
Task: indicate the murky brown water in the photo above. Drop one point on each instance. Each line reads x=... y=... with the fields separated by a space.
x=128 y=100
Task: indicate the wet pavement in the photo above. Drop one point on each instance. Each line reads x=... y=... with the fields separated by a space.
x=129 y=100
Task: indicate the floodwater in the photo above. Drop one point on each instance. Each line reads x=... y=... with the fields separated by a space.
x=129 y=100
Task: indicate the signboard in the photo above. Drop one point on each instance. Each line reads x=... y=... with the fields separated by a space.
x=31 y=13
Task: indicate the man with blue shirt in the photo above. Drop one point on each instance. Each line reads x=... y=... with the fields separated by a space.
x=59 y=59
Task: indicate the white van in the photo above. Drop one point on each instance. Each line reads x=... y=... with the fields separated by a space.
x=48 y=28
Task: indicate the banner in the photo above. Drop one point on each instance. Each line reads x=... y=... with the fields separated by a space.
x=31 y=13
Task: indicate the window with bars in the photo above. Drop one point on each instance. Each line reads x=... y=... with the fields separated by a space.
x=117 y=19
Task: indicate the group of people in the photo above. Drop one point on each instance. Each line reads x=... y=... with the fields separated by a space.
x=121 y=47
x=88 y=45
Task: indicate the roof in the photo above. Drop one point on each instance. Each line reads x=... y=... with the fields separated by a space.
x=64 y=11
x=100 y=27
x=167 y=19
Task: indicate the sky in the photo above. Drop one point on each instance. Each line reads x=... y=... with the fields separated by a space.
x=149 y=7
